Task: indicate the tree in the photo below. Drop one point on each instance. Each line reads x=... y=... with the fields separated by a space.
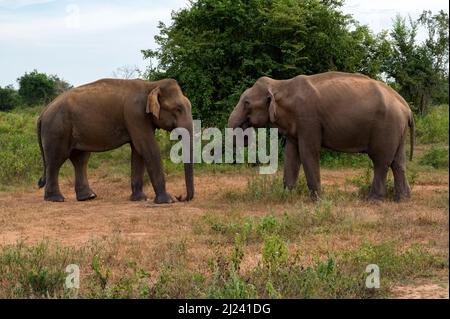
x=127 y=72
x=420 y=71
x=217 y=48
x=39 y=88
x=9 y=98
x=61 y=85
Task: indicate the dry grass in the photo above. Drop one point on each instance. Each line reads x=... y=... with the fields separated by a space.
x=192 y=234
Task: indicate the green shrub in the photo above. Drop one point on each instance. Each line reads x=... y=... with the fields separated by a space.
x=289 y=225
x=333 y=159
x=39 y=88
x=20 y=157
x=433 y=127
x=436 y=157
x=275 y=253
x=269 y=188
x=9 y=98
x=33 y=271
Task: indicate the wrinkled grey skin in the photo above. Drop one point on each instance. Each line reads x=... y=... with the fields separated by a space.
x=340 y=111
x=105 y=115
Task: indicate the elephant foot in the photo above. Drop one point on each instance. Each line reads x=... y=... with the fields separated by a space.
x=138 y=197
x=315 y=196
x=289 y=187
x=86 y=197
x=402 y=198
x=164 y=199
x=375 y=199
x=58 y=198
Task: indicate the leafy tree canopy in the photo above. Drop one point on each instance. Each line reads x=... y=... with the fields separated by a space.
x=420 y=70
x=39 y=88
x=217 y=48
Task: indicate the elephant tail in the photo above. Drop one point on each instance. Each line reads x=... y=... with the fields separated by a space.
x=42 y=180
x=411 y=137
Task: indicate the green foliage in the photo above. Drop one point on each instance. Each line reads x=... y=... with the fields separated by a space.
x=102 y=274
x=38 y=271
x=216 y=49
x=333 y=159
x=420 y=71
x=436 y=157
x=33 y=271
x=289 y=225
x=39 y=88
x=269 y=188
x=275 y=253
x=433 y=127
x=20 y=157
x=9 y=98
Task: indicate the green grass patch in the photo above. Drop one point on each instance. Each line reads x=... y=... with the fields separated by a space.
x=268 y=188
x=331 y=159
x=288 y=225
x=38 y=271
x=437 y=157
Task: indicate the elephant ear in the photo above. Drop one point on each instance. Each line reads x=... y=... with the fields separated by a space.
x=272 y=107
x=153 y=105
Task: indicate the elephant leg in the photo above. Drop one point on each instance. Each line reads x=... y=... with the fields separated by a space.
x=398 y=166
x=310 y=158
x=378 y=188
x=291 y=164
x=147 y=147
x=137 y=176
x=80 y=160
x=53 y=165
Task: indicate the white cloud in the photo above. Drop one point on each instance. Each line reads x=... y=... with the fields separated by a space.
x=15 y=4
x=379 y=14
x=91 y=19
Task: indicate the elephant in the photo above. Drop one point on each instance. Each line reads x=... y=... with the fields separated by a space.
x=343 y=112
x=105 y=115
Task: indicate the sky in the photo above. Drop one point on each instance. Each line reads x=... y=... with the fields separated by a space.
x=82 y=41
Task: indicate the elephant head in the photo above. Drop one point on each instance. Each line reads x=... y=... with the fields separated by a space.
x=257 y=106
x=170 y=109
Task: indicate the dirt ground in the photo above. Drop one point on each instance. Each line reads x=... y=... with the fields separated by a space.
x=24 y=216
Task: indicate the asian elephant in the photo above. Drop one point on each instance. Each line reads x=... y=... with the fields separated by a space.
x=339 y=111
x=105 y=115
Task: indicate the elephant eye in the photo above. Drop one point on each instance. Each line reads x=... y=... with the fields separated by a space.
x=246 y=104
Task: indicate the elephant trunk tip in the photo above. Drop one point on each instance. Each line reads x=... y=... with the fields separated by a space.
x=42 y=182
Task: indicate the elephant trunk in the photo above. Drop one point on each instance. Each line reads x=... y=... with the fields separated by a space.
x=238 y=118
x=233 y=121
x=189 y=171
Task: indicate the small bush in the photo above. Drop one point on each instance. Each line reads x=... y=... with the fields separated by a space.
x=437 y=157
x=289 y=225
x=433 y=127
x=20 y=157
x=33 y=272
x=9 y=98
x=269 y=188
x=333 y=159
